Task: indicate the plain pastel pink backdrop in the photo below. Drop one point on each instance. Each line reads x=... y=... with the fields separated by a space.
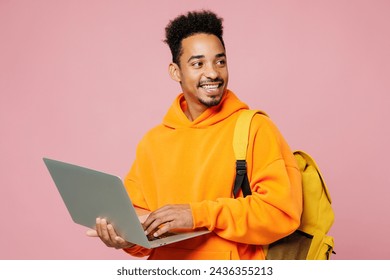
x=82 y=81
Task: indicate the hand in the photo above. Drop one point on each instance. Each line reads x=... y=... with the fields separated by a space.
x=107 y=234
x=167 y=218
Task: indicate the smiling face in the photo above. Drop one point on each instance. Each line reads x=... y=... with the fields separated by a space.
x=202 y=73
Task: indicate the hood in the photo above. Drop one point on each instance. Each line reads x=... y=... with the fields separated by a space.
x=175 y=117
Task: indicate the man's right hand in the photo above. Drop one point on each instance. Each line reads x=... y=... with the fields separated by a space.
x=108 y=235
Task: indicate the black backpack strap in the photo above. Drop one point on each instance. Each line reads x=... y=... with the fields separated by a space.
x=241 y=181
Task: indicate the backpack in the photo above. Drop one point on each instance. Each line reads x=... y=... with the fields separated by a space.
x=310 y=241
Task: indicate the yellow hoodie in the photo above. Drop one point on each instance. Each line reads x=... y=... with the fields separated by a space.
x=181 y=161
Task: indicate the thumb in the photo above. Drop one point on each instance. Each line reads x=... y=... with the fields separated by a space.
x=92 y=233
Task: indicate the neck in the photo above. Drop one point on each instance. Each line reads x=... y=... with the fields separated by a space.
x=193 y=112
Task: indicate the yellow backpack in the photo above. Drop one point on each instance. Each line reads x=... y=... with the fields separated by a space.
x=310 y=241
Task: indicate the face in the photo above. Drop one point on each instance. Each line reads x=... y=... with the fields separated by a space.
x=203 y=72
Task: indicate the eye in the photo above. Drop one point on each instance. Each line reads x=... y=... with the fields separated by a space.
x=197 y=64
x=221 y=62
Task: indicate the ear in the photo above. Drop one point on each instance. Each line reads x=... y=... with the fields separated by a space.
x=174 y=72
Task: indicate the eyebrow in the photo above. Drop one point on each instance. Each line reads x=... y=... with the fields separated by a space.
x=202 y=56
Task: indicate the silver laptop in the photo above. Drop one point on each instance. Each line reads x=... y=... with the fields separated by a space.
x=89 y=194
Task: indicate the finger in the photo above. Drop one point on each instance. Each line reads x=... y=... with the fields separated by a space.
x=154 y=225
x=120 y=240
x=120 y=243
x=123 y=243
x=163 y=229
x=117 y=241
x=149 y=220
x=104 y=235
x=92 y=233
x=157 y=218
x=98 y=227
x=99 y=231
x=104 y=231
x=111 y=231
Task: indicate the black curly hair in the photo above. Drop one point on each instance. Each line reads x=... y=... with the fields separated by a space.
x=189 y=24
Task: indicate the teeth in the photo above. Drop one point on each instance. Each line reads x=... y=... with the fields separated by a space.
x=210 y=86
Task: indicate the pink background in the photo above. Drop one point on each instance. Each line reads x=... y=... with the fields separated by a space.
x=82 y=81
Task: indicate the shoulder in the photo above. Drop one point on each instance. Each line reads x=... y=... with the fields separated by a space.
x=265 y=133
x=261 y=121
x=263 y=130
x=151 y=136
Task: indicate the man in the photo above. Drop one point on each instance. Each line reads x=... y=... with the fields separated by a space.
x=185 y=167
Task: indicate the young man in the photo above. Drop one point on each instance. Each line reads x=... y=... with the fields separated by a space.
x=185 y=167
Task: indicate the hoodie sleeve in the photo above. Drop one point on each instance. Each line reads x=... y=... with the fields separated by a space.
x=275 y=206
x=132 y=185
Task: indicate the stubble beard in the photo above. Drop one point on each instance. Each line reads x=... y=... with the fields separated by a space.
x=214 y=101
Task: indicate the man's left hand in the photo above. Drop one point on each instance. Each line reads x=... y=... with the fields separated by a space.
x=167 y=218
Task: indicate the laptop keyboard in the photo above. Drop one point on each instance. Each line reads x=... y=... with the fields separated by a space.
x=151 y=237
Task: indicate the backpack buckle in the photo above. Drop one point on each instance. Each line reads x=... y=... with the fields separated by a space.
x=241 y=167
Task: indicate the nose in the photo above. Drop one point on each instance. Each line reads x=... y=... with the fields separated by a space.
x=211 y=72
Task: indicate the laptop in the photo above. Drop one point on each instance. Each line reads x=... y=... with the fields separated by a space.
x=89 y=194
